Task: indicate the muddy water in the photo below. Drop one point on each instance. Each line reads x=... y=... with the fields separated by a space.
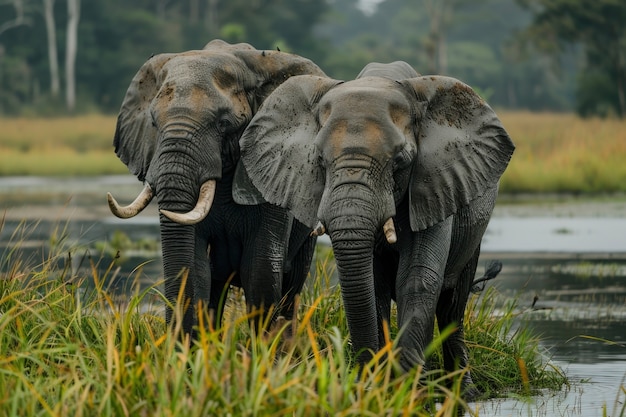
x=570 y=256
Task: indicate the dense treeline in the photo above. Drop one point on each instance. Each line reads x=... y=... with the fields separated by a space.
x=531 y=54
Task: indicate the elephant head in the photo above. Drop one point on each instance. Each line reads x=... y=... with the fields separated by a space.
x=183 y=115
x=343 y=156
x=178 y=131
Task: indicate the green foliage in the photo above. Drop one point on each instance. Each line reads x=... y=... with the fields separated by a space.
x=512 y=352
x=599 y=27
x=465 y=39
x=69 y=349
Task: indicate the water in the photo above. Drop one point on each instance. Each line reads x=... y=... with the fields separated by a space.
x=570 y=256
x=580 y=317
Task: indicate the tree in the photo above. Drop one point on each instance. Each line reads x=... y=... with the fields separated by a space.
x=73 y=16
x=53 y=60
x=598 y=26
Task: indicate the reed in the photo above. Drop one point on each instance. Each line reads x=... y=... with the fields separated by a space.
x=69 y=347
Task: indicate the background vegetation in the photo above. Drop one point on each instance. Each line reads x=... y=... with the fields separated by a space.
x=521 y=54
x=555 y=152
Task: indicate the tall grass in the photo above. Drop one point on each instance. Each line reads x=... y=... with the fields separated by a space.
x=71 y=349
x=65 y=146
x=564 y=153
x=554 y=152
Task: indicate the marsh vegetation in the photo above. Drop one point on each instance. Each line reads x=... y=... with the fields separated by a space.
x=555 y=153
x=68 y=346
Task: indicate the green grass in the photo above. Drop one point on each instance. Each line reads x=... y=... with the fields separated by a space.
x=555 y=153
x=69 y=347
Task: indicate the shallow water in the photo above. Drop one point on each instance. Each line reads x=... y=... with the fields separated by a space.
x=571 y=256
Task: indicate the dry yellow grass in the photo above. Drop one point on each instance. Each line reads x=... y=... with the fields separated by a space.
x=555 y=152
x=66 y=146
x=80 y=133
x=564 y=153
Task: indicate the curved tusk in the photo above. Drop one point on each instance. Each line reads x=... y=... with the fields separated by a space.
x=318 y=230
x=200 y=211
x=390 y=231
x=134 y=208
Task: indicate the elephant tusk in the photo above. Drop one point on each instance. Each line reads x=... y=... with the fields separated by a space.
x=134 y=208
x=200 y=211
x=390 y=231
x=319 y=229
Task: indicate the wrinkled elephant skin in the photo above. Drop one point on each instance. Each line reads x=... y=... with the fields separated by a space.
x=178 y=130
x=402 y=172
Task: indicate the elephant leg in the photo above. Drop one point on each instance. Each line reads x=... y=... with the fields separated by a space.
x=450 y=312
x=385 y=270
x=297 y=268
x=201 y=282
x=217 y=302
x=418 y=286
x=264 y=253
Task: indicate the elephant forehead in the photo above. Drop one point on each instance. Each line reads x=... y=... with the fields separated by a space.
x=206 y=69
x=360 y=136
x=198 y=81
x=365 y=100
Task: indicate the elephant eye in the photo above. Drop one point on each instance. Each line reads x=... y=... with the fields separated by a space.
x=402 y=159
x=224 y=125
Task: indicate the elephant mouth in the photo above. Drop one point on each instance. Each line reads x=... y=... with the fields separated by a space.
x=195 y=215
x=389 y=230
x=201 y=209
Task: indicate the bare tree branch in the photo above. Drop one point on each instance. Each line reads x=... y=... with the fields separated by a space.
x=20 y=17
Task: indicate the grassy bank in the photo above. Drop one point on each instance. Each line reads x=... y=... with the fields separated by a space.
x=65 y=146
x=564 y=153
x=555 y=152
x=67 y=348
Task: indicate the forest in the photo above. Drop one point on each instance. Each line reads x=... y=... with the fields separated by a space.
x=60 y=57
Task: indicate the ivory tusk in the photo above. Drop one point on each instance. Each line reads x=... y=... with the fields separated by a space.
x=390 y=231
x=134 y=208
x=200 y=211
x=318 y=230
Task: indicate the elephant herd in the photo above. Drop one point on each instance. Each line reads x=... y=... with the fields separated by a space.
x=252 y=154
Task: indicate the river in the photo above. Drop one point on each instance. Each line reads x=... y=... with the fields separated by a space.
x=570 y=254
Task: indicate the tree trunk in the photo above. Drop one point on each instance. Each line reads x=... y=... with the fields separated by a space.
x=53 y=60
x=73 y=15
x=212 y=20
x=194 y=10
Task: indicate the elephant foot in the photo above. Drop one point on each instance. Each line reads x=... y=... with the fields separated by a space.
x=470 y=392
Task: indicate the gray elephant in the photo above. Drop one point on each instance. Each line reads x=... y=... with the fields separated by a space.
x=402 y=172
x=178 y=131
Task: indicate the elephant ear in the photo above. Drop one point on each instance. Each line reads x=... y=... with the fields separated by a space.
x=135 y=135
x=462 y=149
x=278 y=149
x=271 y=69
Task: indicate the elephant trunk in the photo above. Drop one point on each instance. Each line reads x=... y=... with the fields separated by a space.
x=178 y=260
x=177 y=175
x=352 y=232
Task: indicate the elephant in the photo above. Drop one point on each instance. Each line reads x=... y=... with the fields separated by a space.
x=402 y=172
x=178 y=130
